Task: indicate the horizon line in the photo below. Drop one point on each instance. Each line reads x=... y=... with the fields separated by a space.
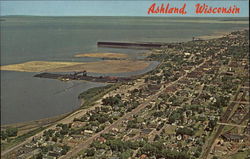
x=156 y=16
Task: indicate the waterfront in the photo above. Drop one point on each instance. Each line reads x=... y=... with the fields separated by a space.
x=25 y=98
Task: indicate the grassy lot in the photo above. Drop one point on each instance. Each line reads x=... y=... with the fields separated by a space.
x=170 y=129
x=90 y=96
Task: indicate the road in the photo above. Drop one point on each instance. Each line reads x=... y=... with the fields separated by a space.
x=228 y=124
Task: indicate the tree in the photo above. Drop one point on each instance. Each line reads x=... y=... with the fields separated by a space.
x=112 y=101
x=101 y=118
x=57 y=134
x=59 y=125
x=97 y=145
x=100 y=128
x=149 y=149
x=197 y=154
x=48 y=133
x=54 y=138
x=65 y=127
x=11 y=132
x=125 y=155
x=132 y=124
x=64 y=131
x=39 y=156
x=90 y=152
x=107 y=136
x=3 y=135
x=50 y=148
x=65 y=149
x=160 y=126
x=175 y=116
x=63 y=152
x=47 y=138
x=212 y=124
x=158 y=114
x=157 y=137
x=116 y=145
x=132 y=145
x=44 y=149
x=184 y=131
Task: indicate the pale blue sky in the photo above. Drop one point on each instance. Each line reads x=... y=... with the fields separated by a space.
x=106 y=7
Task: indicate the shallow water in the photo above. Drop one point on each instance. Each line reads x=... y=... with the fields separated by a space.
x=25 y=98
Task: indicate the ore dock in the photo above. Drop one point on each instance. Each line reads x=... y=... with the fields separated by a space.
x=135 y=45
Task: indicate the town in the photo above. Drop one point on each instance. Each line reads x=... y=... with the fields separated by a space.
x=195 y=104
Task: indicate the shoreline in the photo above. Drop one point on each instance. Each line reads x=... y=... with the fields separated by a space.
x=153 y=65
x=218 y=34
x=33 y=124
x=66 y=114
x=61 y=116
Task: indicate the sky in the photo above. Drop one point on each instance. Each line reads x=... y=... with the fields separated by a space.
x=109 y=7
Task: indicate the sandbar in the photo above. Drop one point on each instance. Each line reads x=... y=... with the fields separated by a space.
x=106 y=66
x=102 y=55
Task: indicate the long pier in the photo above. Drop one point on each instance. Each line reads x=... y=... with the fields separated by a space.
x=135 y=45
